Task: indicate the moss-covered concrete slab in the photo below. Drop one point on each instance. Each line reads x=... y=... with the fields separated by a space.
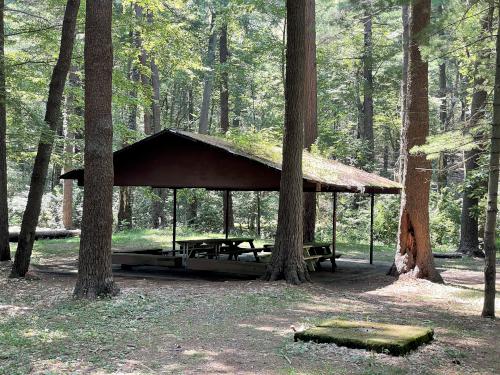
x=389 y=338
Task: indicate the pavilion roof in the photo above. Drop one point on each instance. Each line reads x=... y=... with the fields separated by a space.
x=180 y=159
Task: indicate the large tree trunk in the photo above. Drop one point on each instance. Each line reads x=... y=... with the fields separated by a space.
x=224 y=86
x=208 y=81
x=4 y=212
x=42 y=159
x=367 y=123
x=404 y=82
x=95 y=277
x=311 y=113
x=287 y=261
x=492 y=210
x=414 y=255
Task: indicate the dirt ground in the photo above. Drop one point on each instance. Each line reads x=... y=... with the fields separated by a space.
x=178 y=323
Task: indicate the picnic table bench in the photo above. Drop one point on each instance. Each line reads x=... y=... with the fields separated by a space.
x=314 y=254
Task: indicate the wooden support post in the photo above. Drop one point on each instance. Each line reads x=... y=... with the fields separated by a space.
x=334 y=231
x=372 y=207
x=174 y=221
x=258 y=214
x=226 y=214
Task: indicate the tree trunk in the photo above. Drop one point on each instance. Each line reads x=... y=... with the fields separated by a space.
x=228 y=204
x=404 y=83
x=443 y=116
x=95 y=277
x=287 y=261
x=42 y=159
x=145 y=79
x=4 y=212
x=224 y=85
x=73 y=109
x=414 y=256
x=492 y=208
x=125 y=214
x=469 y=231
x=367 y=130
x=190 y=108
x=208 y=81
x=311 y=114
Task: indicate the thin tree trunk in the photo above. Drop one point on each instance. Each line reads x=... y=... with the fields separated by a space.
x=224 y=85
x=287 y=261
x=42 y=159
x=4 y=212
x=442 y=177
x=73 y=109
x=125 y=214
x=443 y=118
x=95 y=277
x=414 y=255
x=190 y=107
x=404 y=83
x=208 y=81
x=69 y=150
x=311 y=113
x=469 y=229
x=367 y=130
x=145 y=79
x=492 y=207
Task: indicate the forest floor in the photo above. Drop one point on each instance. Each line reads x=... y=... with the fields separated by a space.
x=166 y=322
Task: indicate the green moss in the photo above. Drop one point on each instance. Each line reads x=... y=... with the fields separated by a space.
x=391 y=338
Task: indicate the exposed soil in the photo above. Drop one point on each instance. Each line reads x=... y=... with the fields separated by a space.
x=204 y=324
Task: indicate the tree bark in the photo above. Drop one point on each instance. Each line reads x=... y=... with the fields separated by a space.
x=95 y=277
x=492 y=207
x=224 y=85
x=414 y=255
x=209 y=80
x=42 y=159
x=311 y=114
x=287 y=261
x=367 y=123
x=4 y=212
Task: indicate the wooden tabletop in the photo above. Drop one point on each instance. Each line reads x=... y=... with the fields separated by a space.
x=216 y=240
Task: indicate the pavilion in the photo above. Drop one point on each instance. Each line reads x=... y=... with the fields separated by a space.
x=177 y=159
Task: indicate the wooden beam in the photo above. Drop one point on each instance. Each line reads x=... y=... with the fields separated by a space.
x=372 y=209
x=174 y=218
x=226 y=214
x=334 y=231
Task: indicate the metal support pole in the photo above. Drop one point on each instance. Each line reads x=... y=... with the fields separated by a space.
x=334 y=231
x=372 y=205
x=174 y=221
x=226 y=214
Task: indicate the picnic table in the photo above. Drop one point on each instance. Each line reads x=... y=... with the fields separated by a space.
x=314 y=253
x=214 y=247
